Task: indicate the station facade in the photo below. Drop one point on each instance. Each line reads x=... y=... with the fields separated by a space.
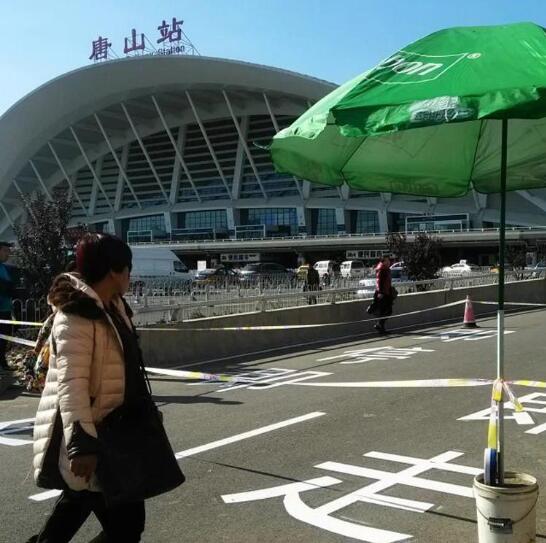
x=173 y=149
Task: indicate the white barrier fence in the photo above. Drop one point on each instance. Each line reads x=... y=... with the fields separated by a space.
x=215 y=303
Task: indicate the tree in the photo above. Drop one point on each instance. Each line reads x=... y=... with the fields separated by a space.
x=516 y=258
x=421 y=257
x=44 y=240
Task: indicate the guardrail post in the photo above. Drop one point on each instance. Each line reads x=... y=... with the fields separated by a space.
x=206 y=293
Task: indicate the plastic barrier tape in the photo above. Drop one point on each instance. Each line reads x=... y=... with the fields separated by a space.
x=20 y=340
x=20 y=323
x=298 y=326
x=198 y=375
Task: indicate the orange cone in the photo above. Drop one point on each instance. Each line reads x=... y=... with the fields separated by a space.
x=469 y=320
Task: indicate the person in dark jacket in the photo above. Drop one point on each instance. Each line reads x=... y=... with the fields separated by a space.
x=383 y=293
x=7 y=288
x=312 y=282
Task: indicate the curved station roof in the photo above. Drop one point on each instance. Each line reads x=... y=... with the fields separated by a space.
x=89 y=129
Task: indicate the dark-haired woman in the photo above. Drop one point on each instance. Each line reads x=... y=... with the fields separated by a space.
x=94 y=369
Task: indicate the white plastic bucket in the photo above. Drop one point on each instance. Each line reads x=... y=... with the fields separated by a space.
x=507 y=514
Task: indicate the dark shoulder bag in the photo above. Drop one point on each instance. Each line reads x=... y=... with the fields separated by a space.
x=136 y=460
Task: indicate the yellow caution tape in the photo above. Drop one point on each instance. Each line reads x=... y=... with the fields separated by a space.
x=20 y=323
x=19 y=340
x=423 y=383
x=198 y=375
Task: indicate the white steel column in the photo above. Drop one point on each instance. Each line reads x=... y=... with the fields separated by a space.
x=66 y=176
x=40 y=179
x=276 y=127
x=94 y=188
x=242 y=139
x=177 y=146
x=120 y=166
x=207 y=141
x=144 y=151
x=122 y=178
x=24 y=199
x=90 y=166
x=8 y=216
x=239 y=162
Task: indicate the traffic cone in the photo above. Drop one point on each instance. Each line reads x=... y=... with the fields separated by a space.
x=469 y=320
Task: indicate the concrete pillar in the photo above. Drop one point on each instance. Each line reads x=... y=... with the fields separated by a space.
x=340 y=220
x=383 y=221
x=302 y=220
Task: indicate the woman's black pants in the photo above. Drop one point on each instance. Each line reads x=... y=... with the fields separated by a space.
x=123 y=522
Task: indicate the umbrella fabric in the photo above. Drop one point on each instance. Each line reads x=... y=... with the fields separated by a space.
x=434 y=111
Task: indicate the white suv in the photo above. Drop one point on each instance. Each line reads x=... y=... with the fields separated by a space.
x=352 y=268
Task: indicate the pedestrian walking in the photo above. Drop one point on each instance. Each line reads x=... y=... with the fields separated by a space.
x=383 y=295
x=312 y=282
x=7 y=289
x=98 y=436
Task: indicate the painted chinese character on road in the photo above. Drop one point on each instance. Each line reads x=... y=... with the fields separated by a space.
x=532 y=403
x=377 y=493
x=359 y=356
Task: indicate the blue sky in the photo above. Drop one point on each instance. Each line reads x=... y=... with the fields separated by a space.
x=329 y=39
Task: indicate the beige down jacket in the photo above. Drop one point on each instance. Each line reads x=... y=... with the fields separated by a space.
x=85 y=381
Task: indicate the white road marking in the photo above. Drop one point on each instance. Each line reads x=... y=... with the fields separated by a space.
x=522 y=419
x=359 y=356
x=214 y=445
x=464 y=334
x=321 y=516
x=15 y=427
x=42 y=496
x=246 y=435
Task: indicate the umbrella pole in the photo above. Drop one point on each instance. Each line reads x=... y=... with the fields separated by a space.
x=500 y=311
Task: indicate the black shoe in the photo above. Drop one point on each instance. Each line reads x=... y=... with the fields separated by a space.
x=380 y=329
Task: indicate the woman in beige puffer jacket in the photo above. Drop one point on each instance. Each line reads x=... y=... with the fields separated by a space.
x=87 y=379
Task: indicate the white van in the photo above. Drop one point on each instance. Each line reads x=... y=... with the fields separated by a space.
x=158 y=262
x=353 y=268
x=326 y=267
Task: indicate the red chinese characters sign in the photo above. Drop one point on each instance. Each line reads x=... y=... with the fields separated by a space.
x=169 y=33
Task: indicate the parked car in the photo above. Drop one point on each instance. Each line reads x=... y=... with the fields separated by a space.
x=353 y=268
x=215 y=276
x=158 y=262
x=461 y=268
x=264 y=271
x=327 y=269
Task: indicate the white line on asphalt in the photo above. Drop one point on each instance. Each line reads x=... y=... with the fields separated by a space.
x=42 y=496
x=214 y=445
x=246 y=435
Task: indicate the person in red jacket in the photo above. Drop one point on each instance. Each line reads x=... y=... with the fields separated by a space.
x=383 y=293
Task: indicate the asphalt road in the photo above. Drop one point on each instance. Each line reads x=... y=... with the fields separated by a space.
x=315 y=451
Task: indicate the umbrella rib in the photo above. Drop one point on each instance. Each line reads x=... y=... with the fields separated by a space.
x=470 y=180
x=349 y=158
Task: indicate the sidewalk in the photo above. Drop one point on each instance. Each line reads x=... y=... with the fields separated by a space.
x=6 y=380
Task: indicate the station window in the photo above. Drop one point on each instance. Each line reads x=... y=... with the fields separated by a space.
x=365 y=222
x=215 y=219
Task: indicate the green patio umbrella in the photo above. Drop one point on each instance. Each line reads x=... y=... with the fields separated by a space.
x=462 y=108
